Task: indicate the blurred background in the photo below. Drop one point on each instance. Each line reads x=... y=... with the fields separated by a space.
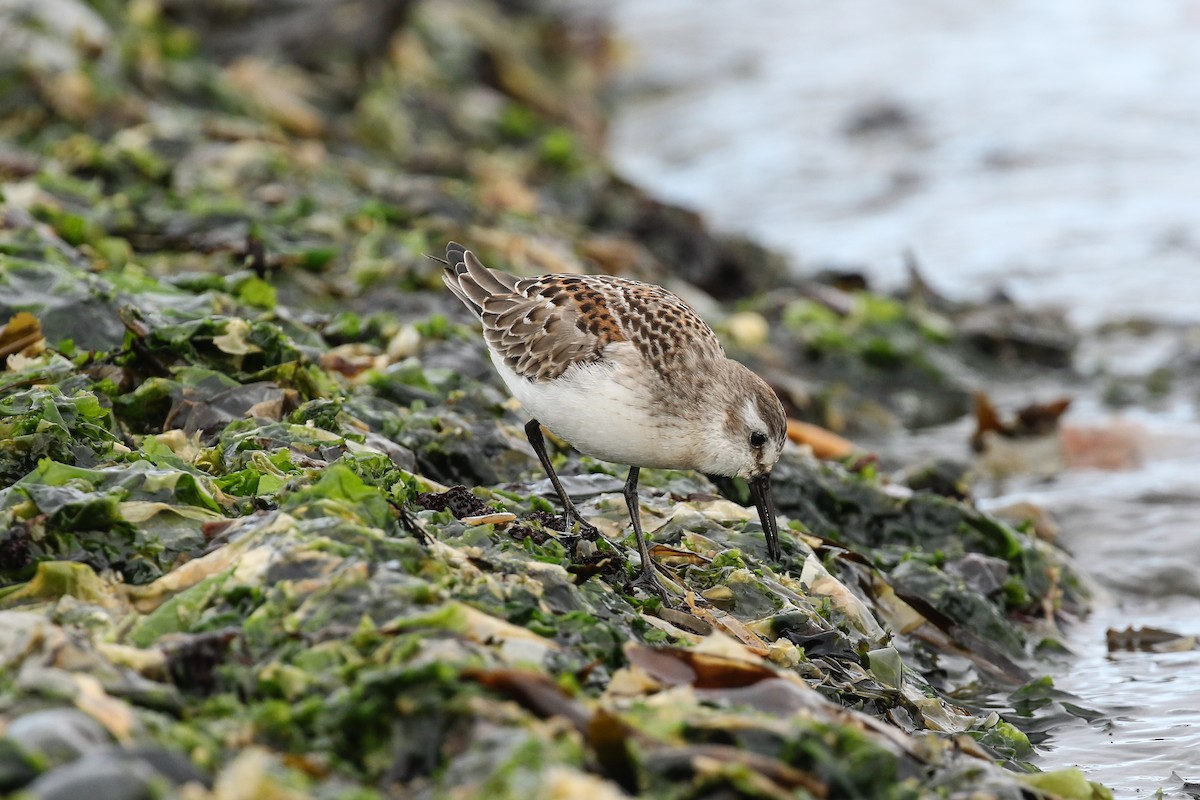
x=1039 y=152
x=301 y=156
x=1046 y=149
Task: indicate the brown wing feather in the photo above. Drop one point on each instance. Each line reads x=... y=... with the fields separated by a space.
x=667 y=333
x=542 y=326
x=537 y=339
x=525 y=322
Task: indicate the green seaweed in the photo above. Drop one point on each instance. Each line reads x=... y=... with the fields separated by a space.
x=219 y=472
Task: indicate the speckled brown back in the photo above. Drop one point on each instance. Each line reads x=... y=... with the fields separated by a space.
x=542 y=326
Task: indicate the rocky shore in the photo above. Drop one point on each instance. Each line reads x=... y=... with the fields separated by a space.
x=268 y=524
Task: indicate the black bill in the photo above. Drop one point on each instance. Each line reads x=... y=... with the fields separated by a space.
x=760 y=490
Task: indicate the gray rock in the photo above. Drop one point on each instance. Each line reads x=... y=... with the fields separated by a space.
x=104 y=775
x=60 y=735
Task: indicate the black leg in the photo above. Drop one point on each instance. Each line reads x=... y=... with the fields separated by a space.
x=631 y=501
x=533 y=431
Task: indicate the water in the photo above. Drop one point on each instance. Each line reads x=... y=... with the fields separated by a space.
x=1045 y=148
x=1134 y=534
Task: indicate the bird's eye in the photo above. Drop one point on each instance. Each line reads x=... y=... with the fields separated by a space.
x=758 y=439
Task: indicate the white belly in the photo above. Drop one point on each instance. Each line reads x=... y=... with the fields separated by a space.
x=604 y=411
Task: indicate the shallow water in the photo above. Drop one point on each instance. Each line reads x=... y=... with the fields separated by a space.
x=1133 y=534
x=1048 y=149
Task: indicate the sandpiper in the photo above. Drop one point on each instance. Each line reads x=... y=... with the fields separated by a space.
x=626 y=372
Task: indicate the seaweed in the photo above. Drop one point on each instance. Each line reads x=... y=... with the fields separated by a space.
x=267 y=516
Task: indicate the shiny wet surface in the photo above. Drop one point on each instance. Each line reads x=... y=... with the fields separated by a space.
x=1134 y=534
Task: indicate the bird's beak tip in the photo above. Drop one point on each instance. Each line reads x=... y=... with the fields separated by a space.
x=760 y=489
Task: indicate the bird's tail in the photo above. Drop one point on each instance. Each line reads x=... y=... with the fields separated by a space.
x=470 y=280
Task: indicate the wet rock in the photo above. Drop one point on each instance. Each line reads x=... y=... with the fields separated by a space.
x=1020 y=336
x=982 y=573
x=58 y=735
x=97 y=778
x=117 y=774
x=170 y=764
x=17 y=766
x=313 y=33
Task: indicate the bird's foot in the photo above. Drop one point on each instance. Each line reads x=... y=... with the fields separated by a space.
x=652 y=581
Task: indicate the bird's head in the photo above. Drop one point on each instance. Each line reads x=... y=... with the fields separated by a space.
x=745 y=437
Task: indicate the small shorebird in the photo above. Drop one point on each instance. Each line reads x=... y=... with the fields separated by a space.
x=626 y=372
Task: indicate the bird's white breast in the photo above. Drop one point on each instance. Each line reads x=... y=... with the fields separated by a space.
x=604 y=410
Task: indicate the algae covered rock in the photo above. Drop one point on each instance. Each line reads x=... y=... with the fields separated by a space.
x=268 y=525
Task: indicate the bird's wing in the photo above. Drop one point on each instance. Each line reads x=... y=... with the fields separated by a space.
x=543 y=326
x=666 y=332
x=530 y=326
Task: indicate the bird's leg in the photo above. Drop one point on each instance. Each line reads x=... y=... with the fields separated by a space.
x=533 y=431
x=631 y=502
x=649 y=577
